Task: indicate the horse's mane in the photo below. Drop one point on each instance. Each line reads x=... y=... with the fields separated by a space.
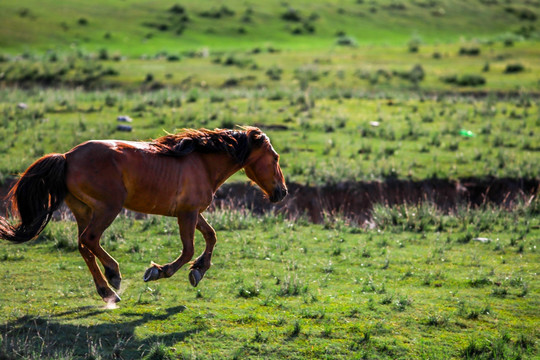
x=237 y=144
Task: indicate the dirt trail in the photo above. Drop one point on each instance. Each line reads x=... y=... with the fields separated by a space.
x=354 y=200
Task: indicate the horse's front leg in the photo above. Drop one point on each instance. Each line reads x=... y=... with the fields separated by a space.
x=187 y=222
x=203 y=262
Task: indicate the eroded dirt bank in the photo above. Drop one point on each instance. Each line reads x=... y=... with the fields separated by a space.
x=355 y=200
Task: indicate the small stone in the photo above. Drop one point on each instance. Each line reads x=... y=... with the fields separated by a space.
x=125 y=128
x=124 y=118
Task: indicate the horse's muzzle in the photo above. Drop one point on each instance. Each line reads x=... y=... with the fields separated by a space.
x=279 y=193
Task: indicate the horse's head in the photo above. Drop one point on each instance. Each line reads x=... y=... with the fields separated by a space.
x=262 y=166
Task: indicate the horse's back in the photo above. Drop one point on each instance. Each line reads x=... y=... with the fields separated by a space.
x=132 y=174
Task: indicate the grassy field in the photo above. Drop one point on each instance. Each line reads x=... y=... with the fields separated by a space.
x=347 y=91
x=421 y=286
x=322 y=138
x=144 y=27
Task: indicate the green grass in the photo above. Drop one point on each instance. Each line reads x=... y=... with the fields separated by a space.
x=365 y=69
x=31 y=24
x=413 y=284
x=281 y=289
x=324 y=139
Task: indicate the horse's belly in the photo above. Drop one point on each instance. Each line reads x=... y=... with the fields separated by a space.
x=167 y=197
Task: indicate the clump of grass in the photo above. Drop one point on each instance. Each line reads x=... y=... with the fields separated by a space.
x=480 y=282
x=159 y=351
x=274 y=73
x=296 y=329
x=359 y=342
x=499 y=292
x=387 y=299
x=406 y=217
x=63 y=236
x=290 y=286
x=259 y=337
x=247 y=292
x=402 y=302
x=436 y=320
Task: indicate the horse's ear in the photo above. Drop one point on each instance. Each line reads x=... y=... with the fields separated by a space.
x=255 y=137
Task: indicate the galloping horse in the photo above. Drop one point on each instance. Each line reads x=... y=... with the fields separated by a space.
x=175 y=175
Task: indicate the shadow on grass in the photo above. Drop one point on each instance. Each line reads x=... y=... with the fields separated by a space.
x=58 y=336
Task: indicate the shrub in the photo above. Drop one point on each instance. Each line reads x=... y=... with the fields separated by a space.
x=525 y=31
x=223 y=11
x=471 y=80
x=216 y=98
x=103 y=54
x=177 y=9
x=522 y=14
x=173 y=58
x=514 y=68
x=291 y=15
x=415 y=75
x=274 y=73
x=464 y=80
x=346 y=41
x=309 y=27
x=414 y=44
x=508 y=42
x=473 y=51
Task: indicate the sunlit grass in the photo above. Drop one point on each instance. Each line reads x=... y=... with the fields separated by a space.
x=276 y=286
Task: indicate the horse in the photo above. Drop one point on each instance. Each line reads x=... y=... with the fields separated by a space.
x=175 y=175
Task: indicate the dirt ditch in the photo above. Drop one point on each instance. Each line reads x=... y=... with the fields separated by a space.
x=355 y=200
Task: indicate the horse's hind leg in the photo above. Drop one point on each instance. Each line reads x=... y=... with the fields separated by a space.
x=90 y=230
x=203 y=262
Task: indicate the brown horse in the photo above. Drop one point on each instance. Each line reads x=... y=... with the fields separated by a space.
x=175 y=175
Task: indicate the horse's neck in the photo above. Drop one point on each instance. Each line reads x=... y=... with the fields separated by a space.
x=220 y=167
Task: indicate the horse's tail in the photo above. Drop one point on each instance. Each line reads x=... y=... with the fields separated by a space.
x=38 y=193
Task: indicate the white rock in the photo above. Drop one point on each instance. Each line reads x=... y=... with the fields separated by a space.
x=124 y=118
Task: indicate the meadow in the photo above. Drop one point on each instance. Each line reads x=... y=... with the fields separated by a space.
x=348 y=92
x=418 y=287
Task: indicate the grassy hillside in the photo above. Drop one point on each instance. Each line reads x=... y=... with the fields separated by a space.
x=145 y=27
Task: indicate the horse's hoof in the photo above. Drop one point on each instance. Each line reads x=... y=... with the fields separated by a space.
x=194 y=277
x=151 y=274
x=108 y=295
x=113 y=299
